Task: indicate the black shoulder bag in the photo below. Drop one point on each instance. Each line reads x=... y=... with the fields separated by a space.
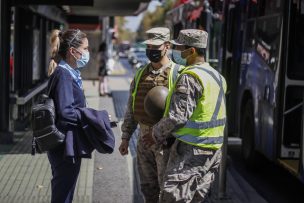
x=46 y=136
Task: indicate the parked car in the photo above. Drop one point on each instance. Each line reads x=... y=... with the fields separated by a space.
x=137 y=57
x=140 y=59
x=123 y=49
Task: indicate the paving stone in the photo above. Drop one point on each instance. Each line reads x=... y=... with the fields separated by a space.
x=120 y=100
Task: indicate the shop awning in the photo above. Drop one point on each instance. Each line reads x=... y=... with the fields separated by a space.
x=111 y=8
x=94 y=7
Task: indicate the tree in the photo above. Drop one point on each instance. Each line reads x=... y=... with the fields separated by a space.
x=123 y=33
x=154 y=19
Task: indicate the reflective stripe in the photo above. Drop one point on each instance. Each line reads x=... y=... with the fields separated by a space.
x=172 y=79
x=219 y=101
x=200 y=140
x=138 y=75
x=205 y=125
x=136 y=80
x=221 y=92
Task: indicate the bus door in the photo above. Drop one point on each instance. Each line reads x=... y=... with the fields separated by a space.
x=230 y=65
x=268 y=32
x=291 y=145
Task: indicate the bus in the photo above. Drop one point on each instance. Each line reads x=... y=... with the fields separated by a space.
x=262 y=59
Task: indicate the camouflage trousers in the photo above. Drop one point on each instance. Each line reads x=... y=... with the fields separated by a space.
x=151 y=164
x=189 y=174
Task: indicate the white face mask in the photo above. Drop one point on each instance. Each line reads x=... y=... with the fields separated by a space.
x=177 y=58
x=84 y=59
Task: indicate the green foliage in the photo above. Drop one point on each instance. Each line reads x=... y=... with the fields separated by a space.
x=154 y=19
x=123 y=33
x=150 y=19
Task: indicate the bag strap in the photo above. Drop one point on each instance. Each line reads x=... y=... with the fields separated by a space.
x=50 y=87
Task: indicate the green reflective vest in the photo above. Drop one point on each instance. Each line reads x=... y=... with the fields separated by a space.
x=175 y=69
x=205 y=128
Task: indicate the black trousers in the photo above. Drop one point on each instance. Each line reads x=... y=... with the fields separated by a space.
x=65 y=173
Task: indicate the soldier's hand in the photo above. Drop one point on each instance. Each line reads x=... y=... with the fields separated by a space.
x=123 y=148
x=148 y=141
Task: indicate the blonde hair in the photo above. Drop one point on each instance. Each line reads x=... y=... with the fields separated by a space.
x=54 y=48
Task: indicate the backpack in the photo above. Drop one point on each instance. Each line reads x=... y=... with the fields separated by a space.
x=46 y=136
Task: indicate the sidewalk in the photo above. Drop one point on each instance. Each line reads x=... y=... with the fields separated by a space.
x=111 y=182
x=26 y=179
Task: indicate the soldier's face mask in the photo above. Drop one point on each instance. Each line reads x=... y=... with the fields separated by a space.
x=155 y=55
x=177 y=58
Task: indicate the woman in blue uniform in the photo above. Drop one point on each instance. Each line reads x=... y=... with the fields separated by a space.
x=70 y=53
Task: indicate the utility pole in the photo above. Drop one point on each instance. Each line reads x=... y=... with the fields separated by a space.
x=5 y=21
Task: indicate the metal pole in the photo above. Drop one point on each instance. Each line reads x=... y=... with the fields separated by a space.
x=223 y=167
x=5 y=135
x=302 y=143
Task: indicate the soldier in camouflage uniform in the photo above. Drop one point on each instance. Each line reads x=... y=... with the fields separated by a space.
x=151 y=159
x=196 y=116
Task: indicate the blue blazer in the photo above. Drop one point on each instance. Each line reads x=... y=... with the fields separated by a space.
x=97 y=128
x=69 y=99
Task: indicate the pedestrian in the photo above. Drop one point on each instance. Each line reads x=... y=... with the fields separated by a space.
x=161 y=71
x=102 y=71
x=196 y=117
x=69 y=54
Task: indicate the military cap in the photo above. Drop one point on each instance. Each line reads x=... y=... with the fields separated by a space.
x=192 y=37
x=157 y=36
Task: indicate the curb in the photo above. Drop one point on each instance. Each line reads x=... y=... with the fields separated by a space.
x=132 y=167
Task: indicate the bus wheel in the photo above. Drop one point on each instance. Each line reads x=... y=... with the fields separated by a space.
x=247 y=134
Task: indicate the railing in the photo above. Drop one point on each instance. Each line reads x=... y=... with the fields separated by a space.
x=21 y=100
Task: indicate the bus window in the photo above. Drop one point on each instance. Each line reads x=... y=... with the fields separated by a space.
x=296 y=47
x=232 y=27
x=250 y=30
x=252 y=9
x=268 y=39
x=269 y=7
